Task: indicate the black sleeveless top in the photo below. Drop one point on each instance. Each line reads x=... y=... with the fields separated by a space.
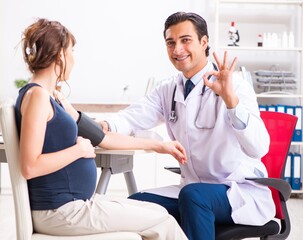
x=73 y=182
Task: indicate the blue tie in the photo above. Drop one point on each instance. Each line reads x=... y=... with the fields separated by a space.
x=188 y=87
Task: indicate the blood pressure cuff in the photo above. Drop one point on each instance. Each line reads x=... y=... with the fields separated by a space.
x=89 y=129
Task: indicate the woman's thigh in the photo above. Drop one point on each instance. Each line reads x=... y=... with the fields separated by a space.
x=170 y=204
x=101 y=214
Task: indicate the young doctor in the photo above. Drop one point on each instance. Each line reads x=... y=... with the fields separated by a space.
x=220 y=127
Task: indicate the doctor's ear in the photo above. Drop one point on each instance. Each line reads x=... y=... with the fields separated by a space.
x=204 y=41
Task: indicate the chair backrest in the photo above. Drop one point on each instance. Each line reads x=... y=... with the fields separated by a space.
x=280 y=127
x=24 y=227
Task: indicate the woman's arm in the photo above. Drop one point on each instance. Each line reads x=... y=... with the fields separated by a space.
x=36 y=111
x=119 y=141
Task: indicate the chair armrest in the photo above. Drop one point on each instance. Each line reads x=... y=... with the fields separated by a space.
x=282 y=186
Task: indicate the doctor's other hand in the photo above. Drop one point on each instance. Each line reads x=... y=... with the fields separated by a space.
x=175 y=149
x=86 y=148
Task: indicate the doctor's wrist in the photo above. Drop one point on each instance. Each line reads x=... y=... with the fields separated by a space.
x=231 y=102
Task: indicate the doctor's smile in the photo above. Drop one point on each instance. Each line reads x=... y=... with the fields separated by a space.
x=181 y=58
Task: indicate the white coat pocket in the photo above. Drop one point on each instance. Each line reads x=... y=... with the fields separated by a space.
x=207 y=112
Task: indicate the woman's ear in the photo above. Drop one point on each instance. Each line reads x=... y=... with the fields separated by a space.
x=61 y=57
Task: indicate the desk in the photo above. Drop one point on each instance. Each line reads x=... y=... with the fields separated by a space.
x=110 y=161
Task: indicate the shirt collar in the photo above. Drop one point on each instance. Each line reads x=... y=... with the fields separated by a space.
x=198 y=76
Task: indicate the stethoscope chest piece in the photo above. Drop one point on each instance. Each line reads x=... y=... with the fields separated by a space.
x=173 y=117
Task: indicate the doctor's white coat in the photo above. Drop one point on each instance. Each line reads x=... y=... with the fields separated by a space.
x=217 y=152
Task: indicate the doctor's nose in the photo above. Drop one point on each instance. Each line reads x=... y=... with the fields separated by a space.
x=178 y=48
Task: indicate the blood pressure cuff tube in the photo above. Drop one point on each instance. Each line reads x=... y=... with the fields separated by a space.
x=89 y=129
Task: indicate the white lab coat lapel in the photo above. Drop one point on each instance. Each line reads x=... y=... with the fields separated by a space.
x=179 y=96
x=181 y=124
x=210 y=109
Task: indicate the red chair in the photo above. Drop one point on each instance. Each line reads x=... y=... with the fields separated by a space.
x=280 y=127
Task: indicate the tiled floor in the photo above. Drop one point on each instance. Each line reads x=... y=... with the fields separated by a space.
x=7 y=218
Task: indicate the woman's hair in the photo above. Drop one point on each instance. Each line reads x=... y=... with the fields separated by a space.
x=199 y=23
x=42 y=44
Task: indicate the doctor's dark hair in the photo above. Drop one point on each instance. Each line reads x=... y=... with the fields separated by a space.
x=42 y=44
x=199 y=23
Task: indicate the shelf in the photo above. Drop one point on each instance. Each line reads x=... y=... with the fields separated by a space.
x=260 y=49
x=267 y=95
x=262 y=2
x=297 y=191
x=253 y=17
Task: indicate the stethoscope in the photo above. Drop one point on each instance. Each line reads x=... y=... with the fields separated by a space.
x=173 y=116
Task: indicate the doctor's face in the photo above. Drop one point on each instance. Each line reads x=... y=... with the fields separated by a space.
x=184 y=49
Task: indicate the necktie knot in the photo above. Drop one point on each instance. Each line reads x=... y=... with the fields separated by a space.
x=188 y=87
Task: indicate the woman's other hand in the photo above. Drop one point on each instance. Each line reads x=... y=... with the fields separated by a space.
x=88 y=151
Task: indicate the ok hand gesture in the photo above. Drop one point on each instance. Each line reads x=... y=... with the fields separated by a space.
x=223 y=85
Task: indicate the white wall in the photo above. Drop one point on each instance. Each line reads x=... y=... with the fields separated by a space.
x=119 y=42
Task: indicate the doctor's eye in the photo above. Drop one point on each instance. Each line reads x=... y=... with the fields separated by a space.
x=186 y=40
x=170 y=44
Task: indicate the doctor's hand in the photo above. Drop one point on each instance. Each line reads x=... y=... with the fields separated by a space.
x=175 y=149
x=223 y=85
